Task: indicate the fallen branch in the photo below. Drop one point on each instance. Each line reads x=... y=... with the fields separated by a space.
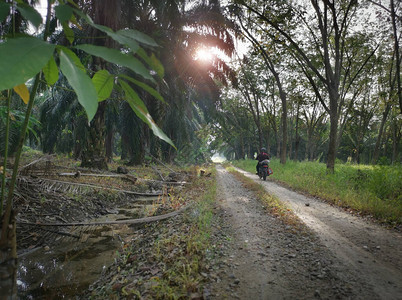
x=153 y=157
x=159 y=173
x=164 y=182
x=47 y=158
x=131 y=221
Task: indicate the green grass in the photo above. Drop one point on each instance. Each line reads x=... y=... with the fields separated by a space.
x=182 y=276
x=176 y=249
x=369 y=190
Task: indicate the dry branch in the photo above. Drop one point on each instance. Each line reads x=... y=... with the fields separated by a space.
x=154 y=158
x=159 y=173
x=164 y=182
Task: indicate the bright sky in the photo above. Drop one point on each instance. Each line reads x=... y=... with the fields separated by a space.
x=42 y=7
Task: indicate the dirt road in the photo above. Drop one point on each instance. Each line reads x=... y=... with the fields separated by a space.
x=338 y=256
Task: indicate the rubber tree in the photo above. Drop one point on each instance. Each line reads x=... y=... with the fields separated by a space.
x=269 y=60
x=332 y=19
x=248 y=87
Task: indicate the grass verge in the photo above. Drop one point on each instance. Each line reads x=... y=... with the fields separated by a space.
x=164 y=260
x=367 y=190
x=183 y=251
x=273 y=205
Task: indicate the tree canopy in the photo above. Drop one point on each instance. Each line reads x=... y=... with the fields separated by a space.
x=313 y=80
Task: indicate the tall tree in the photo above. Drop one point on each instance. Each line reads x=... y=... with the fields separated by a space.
x=332 y=19
x=181 y=29
x=106 y=13
x=267 y=51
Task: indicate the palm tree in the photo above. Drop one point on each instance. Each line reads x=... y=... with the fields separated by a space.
x=180 y=28
x=178 y=32
x=107 y=13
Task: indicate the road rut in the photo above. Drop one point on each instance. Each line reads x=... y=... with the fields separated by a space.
x=372 y=251
x=338 y=256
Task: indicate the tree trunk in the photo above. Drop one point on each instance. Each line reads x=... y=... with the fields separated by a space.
x=333 y=116
x=385 y=142
x=278 y=147
x=332 y=141
x=94 y=155
x=397 y=56
x=297 y=141
x=268 y=142
x=243 y=150
x=395 y=140
x=106 y=13
x=380 y=133
x=109 y=145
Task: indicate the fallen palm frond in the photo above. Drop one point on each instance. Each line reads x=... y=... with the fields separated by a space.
x=40 y=167
x=37 y=234
x=74 y=187
x=130 y=178
x=116 y=222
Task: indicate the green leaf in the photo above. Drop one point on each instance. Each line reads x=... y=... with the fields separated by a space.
x=144 y=86
x=21 y=59
x=130 y=43
x=120 y=38
x=80 y=82
x=138 y=36
x=103 y=83
x=72 y=56
x=68 y=32
x=139 y=108
x=30 y=14
x=118 y=58
x=133 y=45
x=51 y=71
x=4 y=11
x=83 y=16
x=73 y=3
x=63 y=12
x=157 y=66
x=152 y=62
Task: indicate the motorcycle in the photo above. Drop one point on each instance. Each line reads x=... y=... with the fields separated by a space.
x=264 y=170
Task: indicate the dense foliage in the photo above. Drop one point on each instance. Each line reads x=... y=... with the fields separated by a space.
x=177 y=92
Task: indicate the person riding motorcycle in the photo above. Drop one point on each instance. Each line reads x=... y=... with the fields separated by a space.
x=262 y=156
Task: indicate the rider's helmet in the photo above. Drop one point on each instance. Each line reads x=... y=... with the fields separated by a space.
x=263 y=150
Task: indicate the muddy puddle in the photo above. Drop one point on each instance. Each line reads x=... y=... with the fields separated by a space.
x=70 y=265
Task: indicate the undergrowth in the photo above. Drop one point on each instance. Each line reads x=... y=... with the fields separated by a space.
x=367 y=190
x=173 y=251
x=183 y=251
